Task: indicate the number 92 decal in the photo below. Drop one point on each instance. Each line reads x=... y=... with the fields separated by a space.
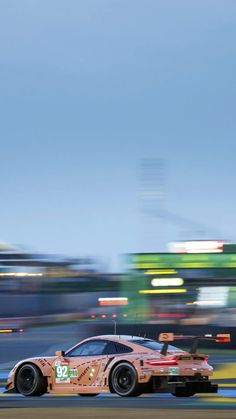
x=63 y=373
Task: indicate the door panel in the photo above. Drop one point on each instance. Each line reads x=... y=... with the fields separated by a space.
x=81 y=365
x=77 y=371
x=87 y=368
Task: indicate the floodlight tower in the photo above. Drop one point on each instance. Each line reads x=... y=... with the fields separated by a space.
x=152 y=200
x=154 y=215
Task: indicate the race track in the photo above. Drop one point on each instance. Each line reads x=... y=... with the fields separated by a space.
x=225 y=399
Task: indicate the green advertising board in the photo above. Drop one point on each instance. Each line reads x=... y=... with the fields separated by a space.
x=142 y=261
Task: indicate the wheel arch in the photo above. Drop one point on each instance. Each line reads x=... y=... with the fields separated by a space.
x=28 y=363
x=120 y=361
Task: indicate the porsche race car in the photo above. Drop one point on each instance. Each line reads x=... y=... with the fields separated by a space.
x=125 y=365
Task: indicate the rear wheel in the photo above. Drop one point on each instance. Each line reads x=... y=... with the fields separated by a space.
x=124 y=381
x=30 y=381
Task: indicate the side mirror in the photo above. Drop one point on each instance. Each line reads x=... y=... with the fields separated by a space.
x=60 y=353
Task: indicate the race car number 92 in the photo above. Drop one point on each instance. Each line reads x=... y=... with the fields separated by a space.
x=62 y=371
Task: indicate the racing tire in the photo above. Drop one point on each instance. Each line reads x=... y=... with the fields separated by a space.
x=124 y=380
x=30 y=381
x=181 y=392
x=88 y=394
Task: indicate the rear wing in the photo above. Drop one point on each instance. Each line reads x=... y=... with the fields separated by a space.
x=170 y=337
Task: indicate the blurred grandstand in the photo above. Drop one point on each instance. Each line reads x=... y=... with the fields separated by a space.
x=194 y=285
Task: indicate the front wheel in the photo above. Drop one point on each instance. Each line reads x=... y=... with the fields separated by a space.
x=124 y=380
x=30 y=381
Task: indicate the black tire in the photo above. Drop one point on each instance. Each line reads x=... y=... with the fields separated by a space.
x=182 y=392
x=88 y=394
x=30 y=381
x=124 y=380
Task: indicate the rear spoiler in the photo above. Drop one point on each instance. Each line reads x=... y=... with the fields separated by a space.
x=170 y=337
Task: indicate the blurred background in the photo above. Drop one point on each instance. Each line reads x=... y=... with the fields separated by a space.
x=117 y=171
x=192 y=285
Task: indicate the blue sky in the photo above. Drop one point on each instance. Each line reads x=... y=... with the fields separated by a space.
x=88 y=89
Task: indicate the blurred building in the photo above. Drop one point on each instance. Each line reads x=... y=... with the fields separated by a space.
x=18 y=263
x=196 y=284
x=33 y=284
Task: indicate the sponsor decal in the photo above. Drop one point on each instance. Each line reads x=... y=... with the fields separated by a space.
x=173 y=370
x=74 y=373
x=83 y=373
x=63 y=373
x=57 y=363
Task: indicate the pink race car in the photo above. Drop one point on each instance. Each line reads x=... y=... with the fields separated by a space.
x=125 y=365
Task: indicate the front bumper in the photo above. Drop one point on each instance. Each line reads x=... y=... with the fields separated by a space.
x=10 y=388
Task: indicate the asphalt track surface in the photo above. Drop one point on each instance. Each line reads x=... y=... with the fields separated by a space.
x=114 y=413
x=220 y=406
x=225 y=399
x=40 y=340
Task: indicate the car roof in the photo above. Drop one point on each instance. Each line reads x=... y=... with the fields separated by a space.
x=114 y=338
x=128 y=338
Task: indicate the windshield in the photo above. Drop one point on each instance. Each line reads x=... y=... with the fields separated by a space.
x=152 y=344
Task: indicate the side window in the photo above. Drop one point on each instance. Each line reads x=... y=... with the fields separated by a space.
x=116 y=348
x=120 y=348
x=110 y=349
x=93 y=347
